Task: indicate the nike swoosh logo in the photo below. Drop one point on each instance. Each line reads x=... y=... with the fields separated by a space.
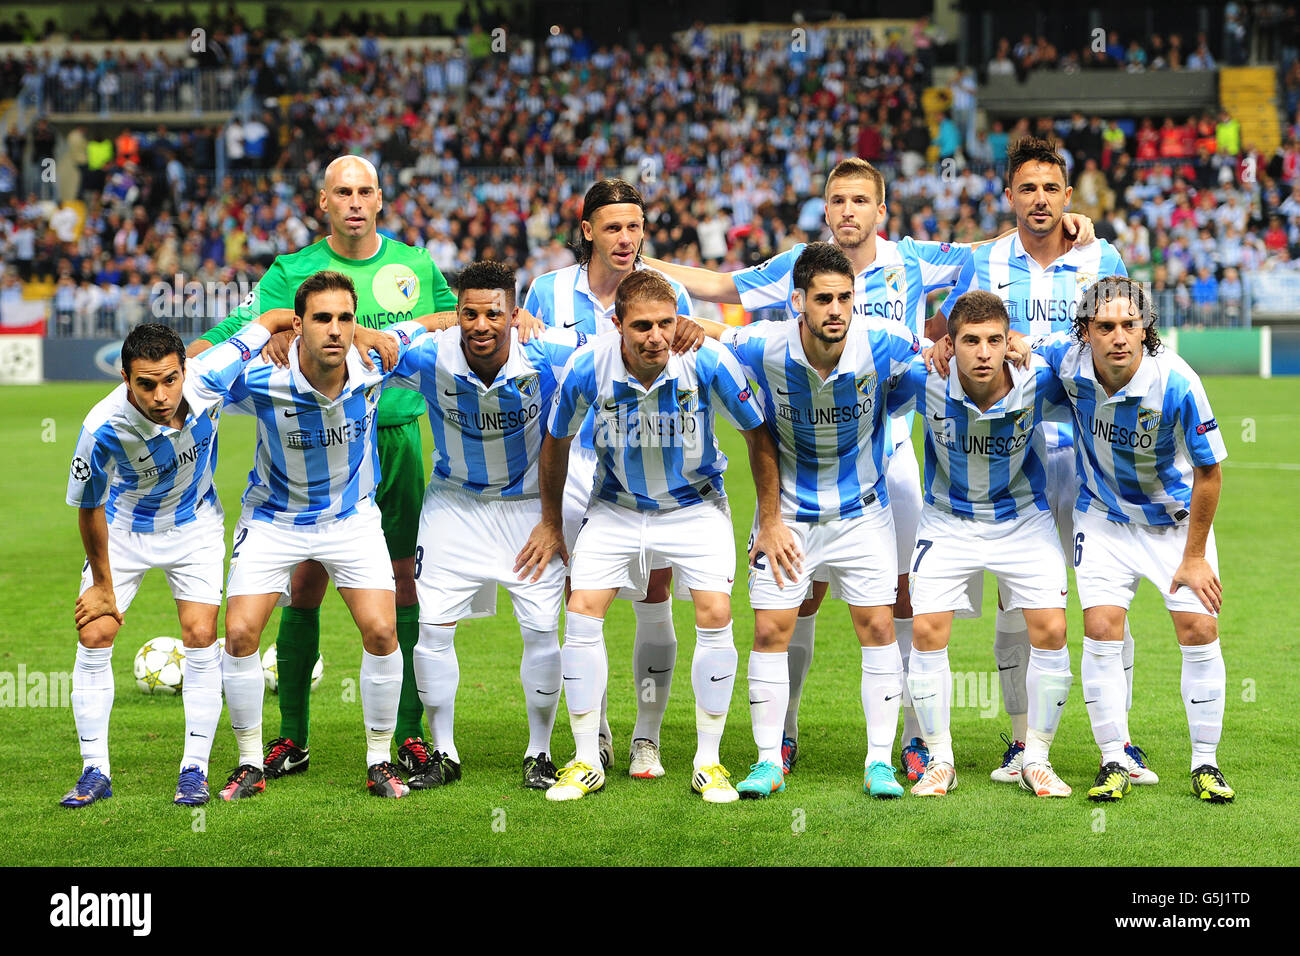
x=611 y=405
x=1001 y=668
x=926 y=697
x=289 y=414
x=782 y=392
x=289 y=763
x=716 y=679
x=450 y=394
x=757 y=702
x=1090 y=701
x=1208 y=700
x=1060 y=703
x=567 y=677
x=90 y=740
x=1005 y=284
x=940 y=418
x=146 y=456
x=548 y=693
x=193 y=734
x=899 y=694
x=653 y=671
x=570 y=325
x=731 y=580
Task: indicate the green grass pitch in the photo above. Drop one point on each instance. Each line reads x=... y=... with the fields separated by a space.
x=325 y=817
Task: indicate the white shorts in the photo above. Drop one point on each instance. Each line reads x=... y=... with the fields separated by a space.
x=1110 y=558
x=855 y=555
x=617 y=547
x=192 y=556
x=352 y=549
x=952 y=554
x=578 y=488
x=1062 y=492
x=467 y=543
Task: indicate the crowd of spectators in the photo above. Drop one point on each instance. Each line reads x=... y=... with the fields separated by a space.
x=488 y=156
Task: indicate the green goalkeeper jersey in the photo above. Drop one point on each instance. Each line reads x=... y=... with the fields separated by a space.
x=396 y=284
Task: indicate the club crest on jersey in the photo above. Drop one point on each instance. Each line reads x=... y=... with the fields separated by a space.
x=372 y=394
x=396 y=287
x=866 y=383
x=894 y=280
x=1023 y=420
x=214 y=412
x=686 y=399
x=528 y=385
x=1084 y=279
x=1148 y=418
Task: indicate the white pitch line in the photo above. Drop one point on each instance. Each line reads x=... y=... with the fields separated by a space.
x=1265 y=466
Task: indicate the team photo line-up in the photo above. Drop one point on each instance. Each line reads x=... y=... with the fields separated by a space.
x=1055 y=424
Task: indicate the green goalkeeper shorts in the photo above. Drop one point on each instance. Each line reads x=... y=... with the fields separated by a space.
x=401 y=486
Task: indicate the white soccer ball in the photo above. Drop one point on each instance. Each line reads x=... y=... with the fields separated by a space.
x=271 y=671
x=159 y=666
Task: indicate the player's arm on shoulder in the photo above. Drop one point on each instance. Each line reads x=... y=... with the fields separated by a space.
x=702 y=283
x=1051 y=348
x=905 y=386
x=774 y=538
x=217 y=369
x=1079 y=228
x=717 y=367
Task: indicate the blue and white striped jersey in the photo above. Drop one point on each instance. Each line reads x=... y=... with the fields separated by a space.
x=983 y=465
x=1138 y=446
x=656 y=448
x=1039 y=300
x=486 y=438
x=831 y=438
x=563 y=299
x=151 y=477
x=316 y=457
x=894 y=286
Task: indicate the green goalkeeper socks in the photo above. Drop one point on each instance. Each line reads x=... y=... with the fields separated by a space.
x=410 y=711
x=296 y=650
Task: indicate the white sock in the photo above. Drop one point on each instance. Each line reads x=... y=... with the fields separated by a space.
x=801 y=655
x=241 y=679
x=1127 y=657
x=92 y=703
x=769 y=692
x=653 y=657
x=929 y=679
x=1204 y=687
x=201 y=695
x=585 y=672
x=381 y=692
x=1102 y=671
x=713 y=677
x=903 y=634
x=539 y=672
x=437 y=676
x=882 y=696
x=1011 y=651
x=1048 y=681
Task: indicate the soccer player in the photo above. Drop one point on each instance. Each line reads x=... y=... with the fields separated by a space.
x=1040 y=275
x=142 y=481
x=891 y=281
x=658 y=494
x=394 y=283
x=581 y=297
x=986 y=509
x=823 y=379
x=487 y=397
x=310 y=497
x=1149 y=451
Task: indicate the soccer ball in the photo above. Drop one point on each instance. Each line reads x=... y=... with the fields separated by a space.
x=271 y=671
x=160 y=666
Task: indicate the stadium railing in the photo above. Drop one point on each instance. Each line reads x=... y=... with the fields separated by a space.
x=177 y=90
